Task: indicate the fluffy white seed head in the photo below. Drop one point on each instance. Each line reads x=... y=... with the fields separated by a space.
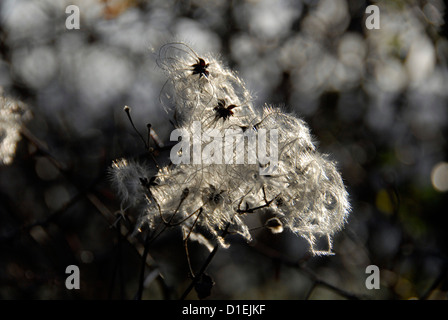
x=304 y=194
x=128 y=178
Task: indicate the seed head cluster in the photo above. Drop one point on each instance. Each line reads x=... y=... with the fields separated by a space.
x=303 y=193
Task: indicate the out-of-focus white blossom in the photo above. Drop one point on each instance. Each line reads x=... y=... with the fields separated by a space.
x=12 y=115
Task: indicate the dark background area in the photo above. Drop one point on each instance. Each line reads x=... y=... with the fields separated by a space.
x=376 y=100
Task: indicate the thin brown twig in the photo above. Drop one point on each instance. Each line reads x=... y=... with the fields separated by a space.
x=142 y=269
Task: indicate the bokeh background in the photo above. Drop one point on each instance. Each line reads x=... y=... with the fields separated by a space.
x=376 y=100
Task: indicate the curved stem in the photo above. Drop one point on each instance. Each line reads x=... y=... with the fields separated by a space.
x=204 y=266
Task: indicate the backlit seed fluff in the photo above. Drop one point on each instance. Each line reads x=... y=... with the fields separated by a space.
x=305 y=193
x=127 y=178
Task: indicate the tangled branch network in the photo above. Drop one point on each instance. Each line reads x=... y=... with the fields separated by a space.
x=290 y=185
